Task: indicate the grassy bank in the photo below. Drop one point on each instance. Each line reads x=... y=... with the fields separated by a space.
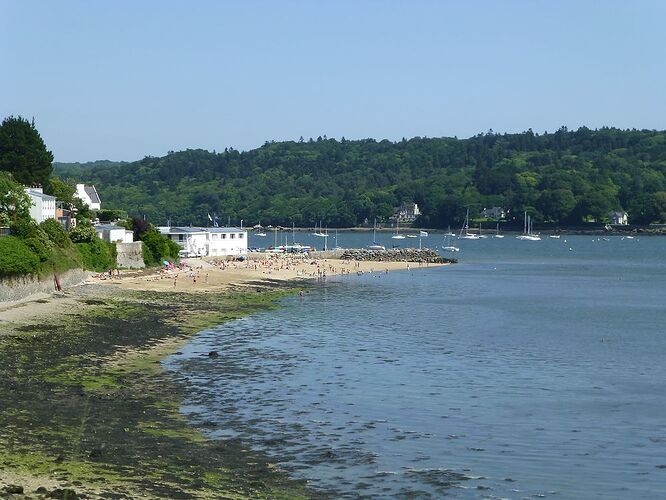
x=86 y=405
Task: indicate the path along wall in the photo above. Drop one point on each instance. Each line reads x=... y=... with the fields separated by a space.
x=18 y=288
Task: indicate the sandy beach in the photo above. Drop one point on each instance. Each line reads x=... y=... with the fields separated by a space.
x=201 y=275
x=212 y=274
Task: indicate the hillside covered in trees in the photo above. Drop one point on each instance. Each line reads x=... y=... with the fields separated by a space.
x=566 y=177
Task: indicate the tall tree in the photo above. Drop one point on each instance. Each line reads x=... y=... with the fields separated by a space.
x=23 y=152
x=62 y=190
x=14 y=202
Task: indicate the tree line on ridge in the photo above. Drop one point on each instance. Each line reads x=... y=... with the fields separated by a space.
x=565 y=177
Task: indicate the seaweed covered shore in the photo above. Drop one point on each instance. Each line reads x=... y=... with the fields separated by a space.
x=87 y=412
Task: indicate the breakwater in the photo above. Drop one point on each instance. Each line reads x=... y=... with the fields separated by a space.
x=397 y=255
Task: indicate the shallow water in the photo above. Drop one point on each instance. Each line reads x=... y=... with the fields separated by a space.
x=529 y=369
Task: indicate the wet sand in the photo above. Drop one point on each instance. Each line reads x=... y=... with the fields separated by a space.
x=86 y=406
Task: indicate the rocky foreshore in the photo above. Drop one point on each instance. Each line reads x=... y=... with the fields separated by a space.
x=88 y=412
x=396 y=255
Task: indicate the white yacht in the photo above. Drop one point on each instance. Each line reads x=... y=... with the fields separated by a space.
x=528 y=235
x=464 y=230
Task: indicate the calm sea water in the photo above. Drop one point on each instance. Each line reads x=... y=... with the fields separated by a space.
x=529 y=369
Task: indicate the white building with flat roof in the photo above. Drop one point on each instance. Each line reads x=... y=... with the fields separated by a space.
x=208 y=241
x=114 y=234
x=43 y=206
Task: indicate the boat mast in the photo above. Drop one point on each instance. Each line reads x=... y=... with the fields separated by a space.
x=525 y=223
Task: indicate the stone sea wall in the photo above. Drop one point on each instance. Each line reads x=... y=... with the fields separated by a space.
x=18 y=288
x=396 y=255
x=129 y=255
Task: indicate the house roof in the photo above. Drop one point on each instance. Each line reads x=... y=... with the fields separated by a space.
x=92 y=193
x=224 y=230
x=108 y=227
x=43 y=196
x=190 y=230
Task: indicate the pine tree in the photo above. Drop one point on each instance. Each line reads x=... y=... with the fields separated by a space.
x=23 y=152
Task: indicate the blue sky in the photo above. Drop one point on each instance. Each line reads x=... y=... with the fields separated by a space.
x=124 y=79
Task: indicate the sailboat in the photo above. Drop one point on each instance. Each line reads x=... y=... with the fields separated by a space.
x=320 y=233
x=260 y=233
x=397 y=235
x=464 y=230
x=449 y=232
x=375 y=245
x=448 y=246
x=497 y=233
x=527 y=231
x=335 y=239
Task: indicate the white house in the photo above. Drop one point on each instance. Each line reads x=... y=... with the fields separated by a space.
x=619 y=218
x=493 y=213
x=43 y=206
x=407 y=212
x=114 y=234
x=208 y=241
x=89 y=196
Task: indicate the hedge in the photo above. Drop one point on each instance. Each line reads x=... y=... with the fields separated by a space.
x=16 y=257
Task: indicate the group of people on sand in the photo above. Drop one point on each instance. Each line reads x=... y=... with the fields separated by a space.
x=279 y=266
x=107 y=275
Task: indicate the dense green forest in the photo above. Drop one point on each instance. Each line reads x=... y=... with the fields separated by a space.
x=566 y=177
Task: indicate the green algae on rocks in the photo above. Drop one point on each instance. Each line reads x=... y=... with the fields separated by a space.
x=84 y=400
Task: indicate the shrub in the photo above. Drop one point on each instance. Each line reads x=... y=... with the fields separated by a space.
x=24 y=228
x=111 y=215
x=27 y=229
x=97 y=255
x=62 y=259
x=38 y=248
x=16 y=257
x=55 y=232
x=157 y=247
x=83 y=233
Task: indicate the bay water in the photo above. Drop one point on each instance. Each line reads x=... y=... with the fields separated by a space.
x=528 y=369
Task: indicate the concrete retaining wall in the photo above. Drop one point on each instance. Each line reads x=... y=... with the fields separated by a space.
x=12 y=289
x=130 y=255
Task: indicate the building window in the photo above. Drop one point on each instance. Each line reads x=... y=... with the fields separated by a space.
x=215 y=236
x=224 y=236
x=232 y=236
x=240 y=236
x=181 y=237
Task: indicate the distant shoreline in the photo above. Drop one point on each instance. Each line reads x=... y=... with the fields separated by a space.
x=659 y=230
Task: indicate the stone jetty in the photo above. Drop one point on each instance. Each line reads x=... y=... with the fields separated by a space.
x=397 y=255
